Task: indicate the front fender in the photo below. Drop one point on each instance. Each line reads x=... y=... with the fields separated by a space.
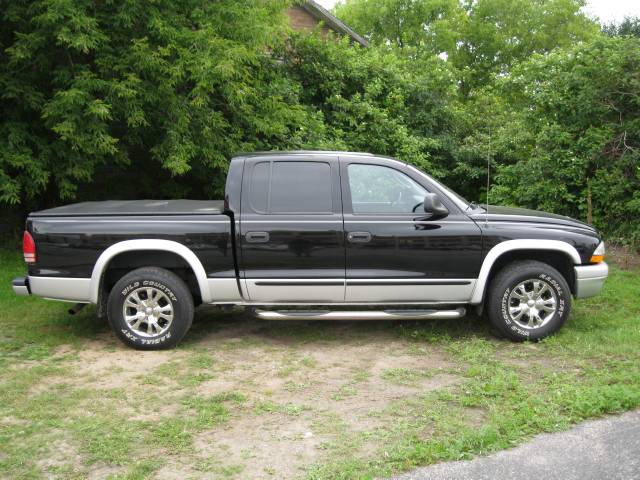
x=511 y=245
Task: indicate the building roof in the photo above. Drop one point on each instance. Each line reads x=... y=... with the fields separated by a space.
x=322 y=14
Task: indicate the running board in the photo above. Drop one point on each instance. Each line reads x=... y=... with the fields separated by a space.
x=359 y=315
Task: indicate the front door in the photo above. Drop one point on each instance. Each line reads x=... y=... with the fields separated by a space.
x=291 y=231
x=394 y=251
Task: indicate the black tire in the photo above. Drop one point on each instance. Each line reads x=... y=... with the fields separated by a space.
x=159 y=332
x=501 y=300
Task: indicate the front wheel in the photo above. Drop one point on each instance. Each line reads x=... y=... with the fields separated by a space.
x=150 y=309
x=528 y=300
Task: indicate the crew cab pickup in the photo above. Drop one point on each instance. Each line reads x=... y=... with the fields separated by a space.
x=313 y=235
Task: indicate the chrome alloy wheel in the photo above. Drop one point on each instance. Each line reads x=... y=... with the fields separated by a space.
x=532 y=303
x=148 y=311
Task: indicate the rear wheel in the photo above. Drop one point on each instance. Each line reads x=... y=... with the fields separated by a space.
x=150 y=309
x=528 y=300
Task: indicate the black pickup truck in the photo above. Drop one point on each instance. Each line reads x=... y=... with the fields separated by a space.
x=313 y=235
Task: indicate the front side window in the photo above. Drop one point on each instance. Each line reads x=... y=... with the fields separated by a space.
x=291 y=187
x=378 y=189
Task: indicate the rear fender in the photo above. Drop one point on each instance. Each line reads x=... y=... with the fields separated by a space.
x=148 y=244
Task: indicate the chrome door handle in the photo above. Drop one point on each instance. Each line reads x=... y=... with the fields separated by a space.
x=257 y=237
x=359 y=237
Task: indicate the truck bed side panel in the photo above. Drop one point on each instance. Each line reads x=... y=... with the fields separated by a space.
x=70 y=247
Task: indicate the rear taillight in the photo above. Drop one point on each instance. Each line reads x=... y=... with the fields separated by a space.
x=28 y=248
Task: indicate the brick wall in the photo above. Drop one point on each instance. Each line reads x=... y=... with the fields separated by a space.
x=303 y=20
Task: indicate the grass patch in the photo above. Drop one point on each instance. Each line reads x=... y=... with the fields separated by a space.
x=290 y=409
x=405 y=376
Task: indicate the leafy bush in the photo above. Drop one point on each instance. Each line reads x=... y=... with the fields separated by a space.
x=580 y=109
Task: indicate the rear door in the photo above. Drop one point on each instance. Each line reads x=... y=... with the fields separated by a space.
x=291 y=229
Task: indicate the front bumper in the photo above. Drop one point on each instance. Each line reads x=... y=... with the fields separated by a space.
x=590 y=279
x=21 y=286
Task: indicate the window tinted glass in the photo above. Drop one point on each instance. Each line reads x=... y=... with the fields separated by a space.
x=259 y=189
x=377 y=189
x=301 y=187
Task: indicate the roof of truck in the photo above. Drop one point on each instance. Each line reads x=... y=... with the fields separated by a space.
x=309 y=152
x=135 y=207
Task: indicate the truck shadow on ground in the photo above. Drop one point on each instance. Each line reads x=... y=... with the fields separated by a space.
x=210 y=324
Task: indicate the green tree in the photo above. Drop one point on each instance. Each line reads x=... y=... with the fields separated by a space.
x=489 y=133
x=580 y=108
x=481 y=38
x=418 y=26
x=138 y=98
x=372 y=100
x=501 y=33
x=630 y=26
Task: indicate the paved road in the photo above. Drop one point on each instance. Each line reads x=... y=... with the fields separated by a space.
x=600 y=449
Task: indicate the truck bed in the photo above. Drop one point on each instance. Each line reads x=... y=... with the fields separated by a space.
x=71 y=238
x=135 y=207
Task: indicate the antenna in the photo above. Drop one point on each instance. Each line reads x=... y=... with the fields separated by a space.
x=486 y=217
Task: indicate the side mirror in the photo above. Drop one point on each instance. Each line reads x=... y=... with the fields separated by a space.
x=434 y=206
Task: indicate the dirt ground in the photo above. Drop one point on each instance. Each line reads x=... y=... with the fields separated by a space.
x=308 y=390
x=319 y=390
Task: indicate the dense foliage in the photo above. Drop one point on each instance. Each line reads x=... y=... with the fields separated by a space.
x=135 y=99
x=373 y=100
x=479 y=37
x=628 y=27
x=138 y=98
x=580 y=111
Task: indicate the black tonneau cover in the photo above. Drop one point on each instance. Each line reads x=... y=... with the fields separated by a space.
x=135 y=207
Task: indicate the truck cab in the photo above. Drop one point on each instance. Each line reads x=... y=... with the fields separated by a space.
x=351 y=229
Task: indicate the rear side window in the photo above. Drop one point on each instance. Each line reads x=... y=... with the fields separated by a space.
x=291 y=187
x=259 y=188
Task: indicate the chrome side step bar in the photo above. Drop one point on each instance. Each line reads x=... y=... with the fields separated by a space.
x=359 y=315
